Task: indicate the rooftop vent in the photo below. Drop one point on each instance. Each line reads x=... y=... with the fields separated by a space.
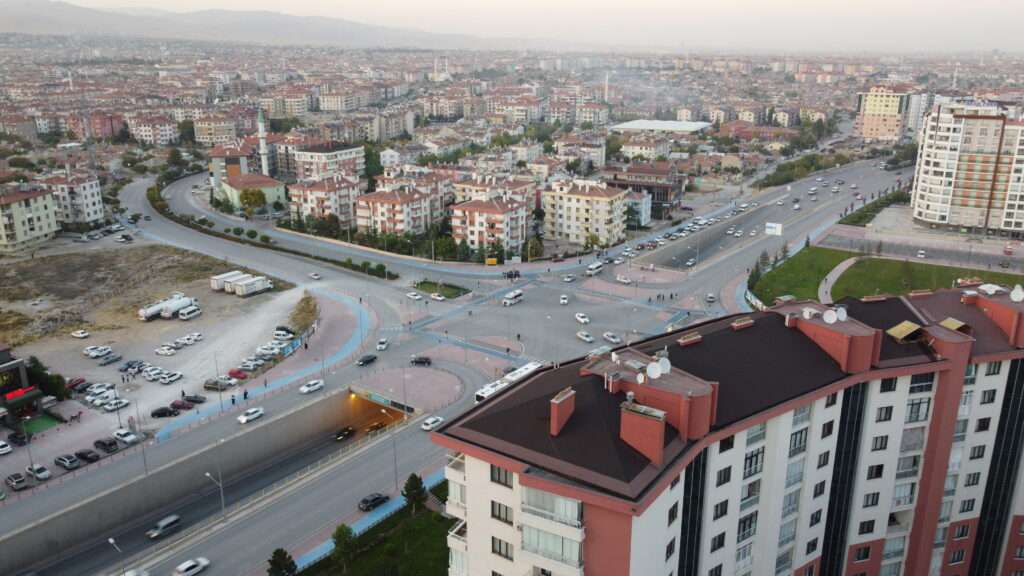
x=875 y=298
x=905 y=331
x=741 y=323
x=920 y=293
x=990 y=289
x=689 y=339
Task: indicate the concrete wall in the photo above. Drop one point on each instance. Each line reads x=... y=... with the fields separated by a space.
x=174 y=482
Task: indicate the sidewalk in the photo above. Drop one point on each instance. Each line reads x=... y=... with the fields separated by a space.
x=825 y=287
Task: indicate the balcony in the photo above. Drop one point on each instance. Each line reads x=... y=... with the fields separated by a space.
x=553 y=563
x=455 y=468
x=908 y=473
x=902 y=501
x=457 y=537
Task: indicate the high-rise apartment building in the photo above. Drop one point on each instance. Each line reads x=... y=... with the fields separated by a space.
x=881 y=437
x=882 y=113
x=970 y=167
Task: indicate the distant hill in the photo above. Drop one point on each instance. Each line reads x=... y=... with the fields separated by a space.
x=261 y=27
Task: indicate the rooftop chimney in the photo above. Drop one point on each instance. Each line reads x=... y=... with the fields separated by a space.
x=643 y=428
x=562 y=406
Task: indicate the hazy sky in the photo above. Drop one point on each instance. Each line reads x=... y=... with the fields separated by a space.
x=818 y=25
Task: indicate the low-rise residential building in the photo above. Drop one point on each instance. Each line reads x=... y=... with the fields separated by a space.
x=273 y=191
x=646 y=148
x=592 y=112
x=401 y=211
x=154 y=130
x=484 y=223
x=584 y=212
x=319 y=161
x=215 y=130
x=335 y=194
x=28 y=217
x=78 y=198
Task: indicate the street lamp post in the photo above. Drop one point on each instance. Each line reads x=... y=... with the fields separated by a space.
x=219 y=481
x=394 y=449
x=120 y=554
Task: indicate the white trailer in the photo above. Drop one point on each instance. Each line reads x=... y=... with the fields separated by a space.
x=217 y=282
x=229 y=285
x=147 y=313
x=172 y=308
x=254 y=286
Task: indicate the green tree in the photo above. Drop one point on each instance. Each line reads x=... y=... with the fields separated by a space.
x=587 y=126
x=281 y=564
x=373 y=167
x=187 y=130
x=415 y=492
x=252 y=234
x=346 y=546
x=174 y=158
x=755 y=276
x=764 y=260
x=463 y=252
x=251 y=199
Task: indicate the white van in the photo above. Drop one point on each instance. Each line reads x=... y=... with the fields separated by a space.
x=164 y=527
x=190 y=312
x=595 y=269
x=512 y=298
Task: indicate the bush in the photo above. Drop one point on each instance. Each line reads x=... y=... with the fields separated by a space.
x=227 y=230
x=237 y=231
x=252 y=234
x=265 y=239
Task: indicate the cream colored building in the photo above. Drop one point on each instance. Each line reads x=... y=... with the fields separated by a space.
x=28 y=218
x=574 y=210
x=482 y=223
x=215 y=130
x=882 y=113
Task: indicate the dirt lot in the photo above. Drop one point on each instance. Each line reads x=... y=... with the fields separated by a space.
x=96 y=289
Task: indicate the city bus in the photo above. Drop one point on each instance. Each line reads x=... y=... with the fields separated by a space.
x=512 y=298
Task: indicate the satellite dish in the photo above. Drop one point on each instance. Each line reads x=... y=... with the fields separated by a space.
x=665 y=365
x=654 y=370
x=830 y=316
x=639 y=378
x=808 y=313
x=841 y=314
x=615 y=357
x=1017 y=294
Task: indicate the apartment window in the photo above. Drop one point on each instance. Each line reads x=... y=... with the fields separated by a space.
x=917 y=409
x=871 y=499
x=875 y=471
x=972 y=479
x=962 y=531
x=819 y=489
x=861 y=554
x=826 y=428
x=977 y=452
x=753 y=462
x=798 y=442
x=716 y=571
x=988 y=396
x=879 y=443
x=794 y=473
x=884 y=414
x=501 y=512
x=815 y=518
x=723 y=476
x=801 y=415
x=673 y=513
x=670 y=549
x=721 y=509
x=888 y=385
x=957 y=556
x=750 y=494
x=501 y=476
x=971 y=375
x=747 y=527
x=960 y=430
x=993 y=368
x=967 y=505
x=1019 y=553
x=830 y=400
x=812 y=546
x=756 y=433
x=866 y=527
x=982 y=424
x=501 y=548
x=921 y=383
x=718 y=542
x=726 y=444
x=823 y=459
x=790 y=503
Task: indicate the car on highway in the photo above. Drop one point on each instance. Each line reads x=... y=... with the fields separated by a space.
x=314 y=275
x=5 y=448
x=182 y=404
x=611 y=338
x=67 y=462
x=414 y=296
x=382 y=344
x=164 y=527
x=192 y=567
x=311 y=386
x=420 y=361
x=568 y=278
x=376 y=426
x=922 y=254
x=372 y=501
x=195 y=398
x=39 y=472
x=164 y=412
x=710 y=298
x=366 y=360
x=585 y=336
x=126 y=436
x=582 y=318
x=623 y=279
x=796 y=207
x=116 y=404
x=108 y=445
x=16 y=481
x=431 y=423
x=80 y=334
x=563 y=299
x=250 y=415
x=87 y=455
x=437 y=297
x=344 y=434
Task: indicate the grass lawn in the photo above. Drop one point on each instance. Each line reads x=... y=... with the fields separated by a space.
x=402 y=545
x=800 y=275
x=447 y=290
x=40 y=423
x=881 y=276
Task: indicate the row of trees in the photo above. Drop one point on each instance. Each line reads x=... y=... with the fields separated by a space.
x=793 y=170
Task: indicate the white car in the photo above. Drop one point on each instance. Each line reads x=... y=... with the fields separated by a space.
x=229 y=382
x=738 y=234
x=414 y=296
x=585 y=336
x=311 y=386
x=80 y=334
x=171 y=377
x=437 y=297
x=165 y=351
x=88 y=350
x=283 y=336
x=431 y=423
x=618 y=261
x=101 y=399
x=853 y=186
x=116 y=404
x=921 y=254
x=382 y=344
x=98 y=388
x=185 y=341
x=100 y=352
x=611 y=338
x=796 y=207
x=568 y=278
x=691 y=262
x=314 y=275
x=780 y=203
x=250 y=415
x=5 y=448
x=38 y=471
x=623 y=279
x=753 y=233
x=197 y=336
x=582 y=318
x=563 y=299
x=191 y=567
x=126 y=436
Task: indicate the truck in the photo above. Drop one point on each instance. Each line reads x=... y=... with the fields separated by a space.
x=229 y=285
x=151 y=311
x=253 y=286
x=172 y=308
x=217 y=282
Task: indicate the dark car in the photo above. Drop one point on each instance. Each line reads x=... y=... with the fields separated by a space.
x=108 y=445
x=164 y=412
x=182 y=405
x=345 y=433
x=19 y=438
x=195 y=398
x=367 y=360
x=110 y=359
x=420 y=361
x=147 y=218
x=376 y=426
x=372 y=501
x=88 y=455
x=81 y=386
x=17 y=481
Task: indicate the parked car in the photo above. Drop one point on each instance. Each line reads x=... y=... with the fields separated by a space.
x=108 y=445
x=88 y=350
x=283 y=335
x=5 y=448
x=611 y=338
x=238 y=374
x=109 y=359
x=99 y=351
x=16 y=481
x=116 y=404
x=437 y=297
x=165 y=351
x=170 y=378
x=181 y=405
x=19 y=438
x=67 y=462
x=250 y=415
x=372 y=501
x=366 y=360
x=87 y=455
x=38 y=471
x=164 y=412
x=195 y=398
x=191 y=567
x=126 y=436
x=345 y=433
x=420 y=361
x=431 y=423
x=80 y=334
x=311 y=386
